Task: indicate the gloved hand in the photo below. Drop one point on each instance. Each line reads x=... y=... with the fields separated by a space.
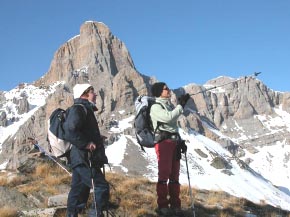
x=183 y=99
x=183 y=147
x=99 y=157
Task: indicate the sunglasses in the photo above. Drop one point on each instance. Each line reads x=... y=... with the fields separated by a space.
x=166 y=88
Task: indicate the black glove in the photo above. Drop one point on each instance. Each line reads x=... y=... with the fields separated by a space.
x=99 y=157
x=183 y=99
x=180 y=148
x=183 y=146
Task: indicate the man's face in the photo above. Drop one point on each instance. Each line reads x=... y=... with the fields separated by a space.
x=92 y=96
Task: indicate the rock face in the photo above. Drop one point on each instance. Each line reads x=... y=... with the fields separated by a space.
x=286 y=102
x=11 y=196
x=100 y=58
x=3 y=120
x=241 y=110
x=95 y=56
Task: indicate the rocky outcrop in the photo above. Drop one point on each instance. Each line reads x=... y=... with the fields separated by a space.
x=224 y=104
x=232 y=106
x=15 y=149
x=286 y=102
x=240 y=99
x=95 y=56
x=10 y=196
x=100 y=58
x=22 y=105
x=3 y=119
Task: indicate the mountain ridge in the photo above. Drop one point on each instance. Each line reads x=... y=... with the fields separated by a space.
x=239 y=116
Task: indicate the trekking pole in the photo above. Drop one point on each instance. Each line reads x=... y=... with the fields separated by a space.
x=35 y=143
x=104 y=172
x=93 y=184
x=214 y=87
x=190 y=190
x=109 y=212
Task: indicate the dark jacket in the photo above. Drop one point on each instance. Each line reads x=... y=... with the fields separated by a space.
x=81 y=128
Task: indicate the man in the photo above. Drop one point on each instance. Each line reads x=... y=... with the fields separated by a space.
x=87 y=153
x=167 y=148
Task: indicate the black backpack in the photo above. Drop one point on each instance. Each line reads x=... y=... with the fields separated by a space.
x=58 y=145
x=144 y=131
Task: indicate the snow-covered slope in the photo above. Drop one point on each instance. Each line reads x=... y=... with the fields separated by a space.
x=255 y=182
x=36 y=98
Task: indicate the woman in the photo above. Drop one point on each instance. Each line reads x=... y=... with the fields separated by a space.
x=166 y=148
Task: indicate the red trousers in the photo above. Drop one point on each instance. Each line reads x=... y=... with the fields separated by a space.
x=168 y=169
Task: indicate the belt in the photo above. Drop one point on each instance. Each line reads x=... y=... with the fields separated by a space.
x=174 y=137
x=167 y=135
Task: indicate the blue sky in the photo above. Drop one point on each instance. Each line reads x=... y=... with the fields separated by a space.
x=179 y=42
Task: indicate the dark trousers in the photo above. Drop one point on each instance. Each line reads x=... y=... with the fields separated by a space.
x=80 y=189
x=168 y=174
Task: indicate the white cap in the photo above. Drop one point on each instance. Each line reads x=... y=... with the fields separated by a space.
x=79 y=89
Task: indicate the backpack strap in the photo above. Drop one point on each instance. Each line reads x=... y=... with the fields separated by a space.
x=84 y=107
x=159 y=123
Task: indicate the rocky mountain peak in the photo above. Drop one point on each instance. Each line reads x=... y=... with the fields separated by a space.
x=97 y=57
x=94 y=56
x=95 y=53
x=237 y=113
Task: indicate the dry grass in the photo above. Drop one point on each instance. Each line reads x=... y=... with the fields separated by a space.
x=46 y=178
x=30 y=188
x=3 y=181
x=12 y=181
x=185 y=196
x=225 y=201
x=17 y=181
x=224 y=214
x=8 y=212
x=51 y=174
x=214 y=198
x=133 y=196
x=234 y=203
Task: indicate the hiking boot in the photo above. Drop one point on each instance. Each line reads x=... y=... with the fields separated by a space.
x=69 y=214
x=92 y=213
x=164 y=211
x=178 y=212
